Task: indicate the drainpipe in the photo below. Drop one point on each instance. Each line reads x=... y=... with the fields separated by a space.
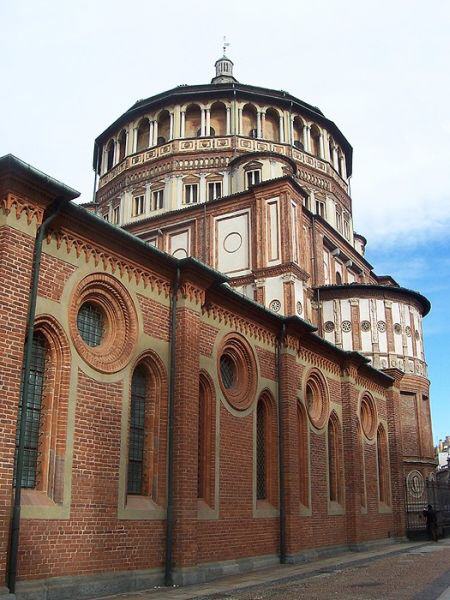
x=169 y=517
x=281 y=451
x=49 y=215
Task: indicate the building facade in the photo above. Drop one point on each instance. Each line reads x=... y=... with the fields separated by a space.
x=219 y=380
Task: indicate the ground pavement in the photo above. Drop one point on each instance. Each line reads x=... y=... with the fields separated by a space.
x=401 y=571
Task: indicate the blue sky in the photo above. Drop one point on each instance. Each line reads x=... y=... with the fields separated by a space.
x=379 y=69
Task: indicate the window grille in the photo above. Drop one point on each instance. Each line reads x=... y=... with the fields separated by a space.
x=228 y=371
x=214 y=190
x=137 y=431
x=90 y=323
x=33 y=412
x=261 y=491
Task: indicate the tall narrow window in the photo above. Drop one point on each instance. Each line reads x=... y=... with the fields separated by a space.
x=334 y=474
x=190 y=193
x=116 y=215
x=383 y=466
x=214 y=190
x=33 y=411
x=261 y=470
x=253 y=177
x=138 y=205
x=320 y=208
x=303 y=463
x=158 y=199
x=139 y=387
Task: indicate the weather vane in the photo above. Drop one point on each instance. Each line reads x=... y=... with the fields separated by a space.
x=225 y=44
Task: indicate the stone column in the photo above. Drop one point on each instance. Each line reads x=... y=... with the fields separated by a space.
x=343 y=167
x=306 y=138
x=208 y=122
x=150 y=135
x=228 y=129
x=259 y=132
x=183 y=124
x=321 y=145
x=155 y=133
x=281 y=126
x=239 y=122
x=171 y=126
x=203 y=123
x=135 y=139
x=202 y=188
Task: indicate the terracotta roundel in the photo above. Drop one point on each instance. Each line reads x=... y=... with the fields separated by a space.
x=299 y=308
x=316 y=399
x=365 y=325
x=368 y=416
x=237 y=371
x=415 y=483
x=103 y=322
x=381 y=326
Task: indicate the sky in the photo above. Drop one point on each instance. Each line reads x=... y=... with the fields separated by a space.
x=379 y=70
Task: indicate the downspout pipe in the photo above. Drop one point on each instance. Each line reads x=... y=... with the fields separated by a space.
x=50 y=214
x=168 y=580
x=282 y=496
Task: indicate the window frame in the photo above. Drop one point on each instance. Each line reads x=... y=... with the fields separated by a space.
x=188 y=192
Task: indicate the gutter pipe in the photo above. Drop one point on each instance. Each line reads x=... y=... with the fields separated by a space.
x=50 y=214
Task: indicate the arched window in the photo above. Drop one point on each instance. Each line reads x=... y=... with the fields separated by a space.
x=334 y=460
x=110 y=155
x=249 y=121
x=266 y=449
x=218 y=119
x=138 y=421
x=193 y=121
x=338 y=278
x=206 y=436
x=383 y=465
x=46 y=410
x=163 y=127
x=303 y=462
x=362 y=479
x=143 y=135
x=272 y=125
x=315 y=140
x=298 y=140
x=33 y=411
x=122 y=144
x=261 y=466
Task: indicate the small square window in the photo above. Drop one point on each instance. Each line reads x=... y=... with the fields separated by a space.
x=214 y=190
x=191 y=193
x=138 y=206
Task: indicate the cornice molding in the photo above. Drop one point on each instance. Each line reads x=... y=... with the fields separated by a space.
x=11 y=202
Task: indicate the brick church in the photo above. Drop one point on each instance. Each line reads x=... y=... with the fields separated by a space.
x=213 y=377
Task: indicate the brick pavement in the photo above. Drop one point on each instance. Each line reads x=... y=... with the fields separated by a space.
x=404 y=571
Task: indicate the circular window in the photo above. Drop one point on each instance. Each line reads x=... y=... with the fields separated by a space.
x=415 y=483
x=228 y=371
x=346 y=326
x=381 y=325
x=368 y=417
x=103 y=322
x=408 y=330
x=299 y=308
x=91 y=324
x=275 y=305
x=316 y=400
x=365 y=325
x=238 y=372
x=329 y=326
